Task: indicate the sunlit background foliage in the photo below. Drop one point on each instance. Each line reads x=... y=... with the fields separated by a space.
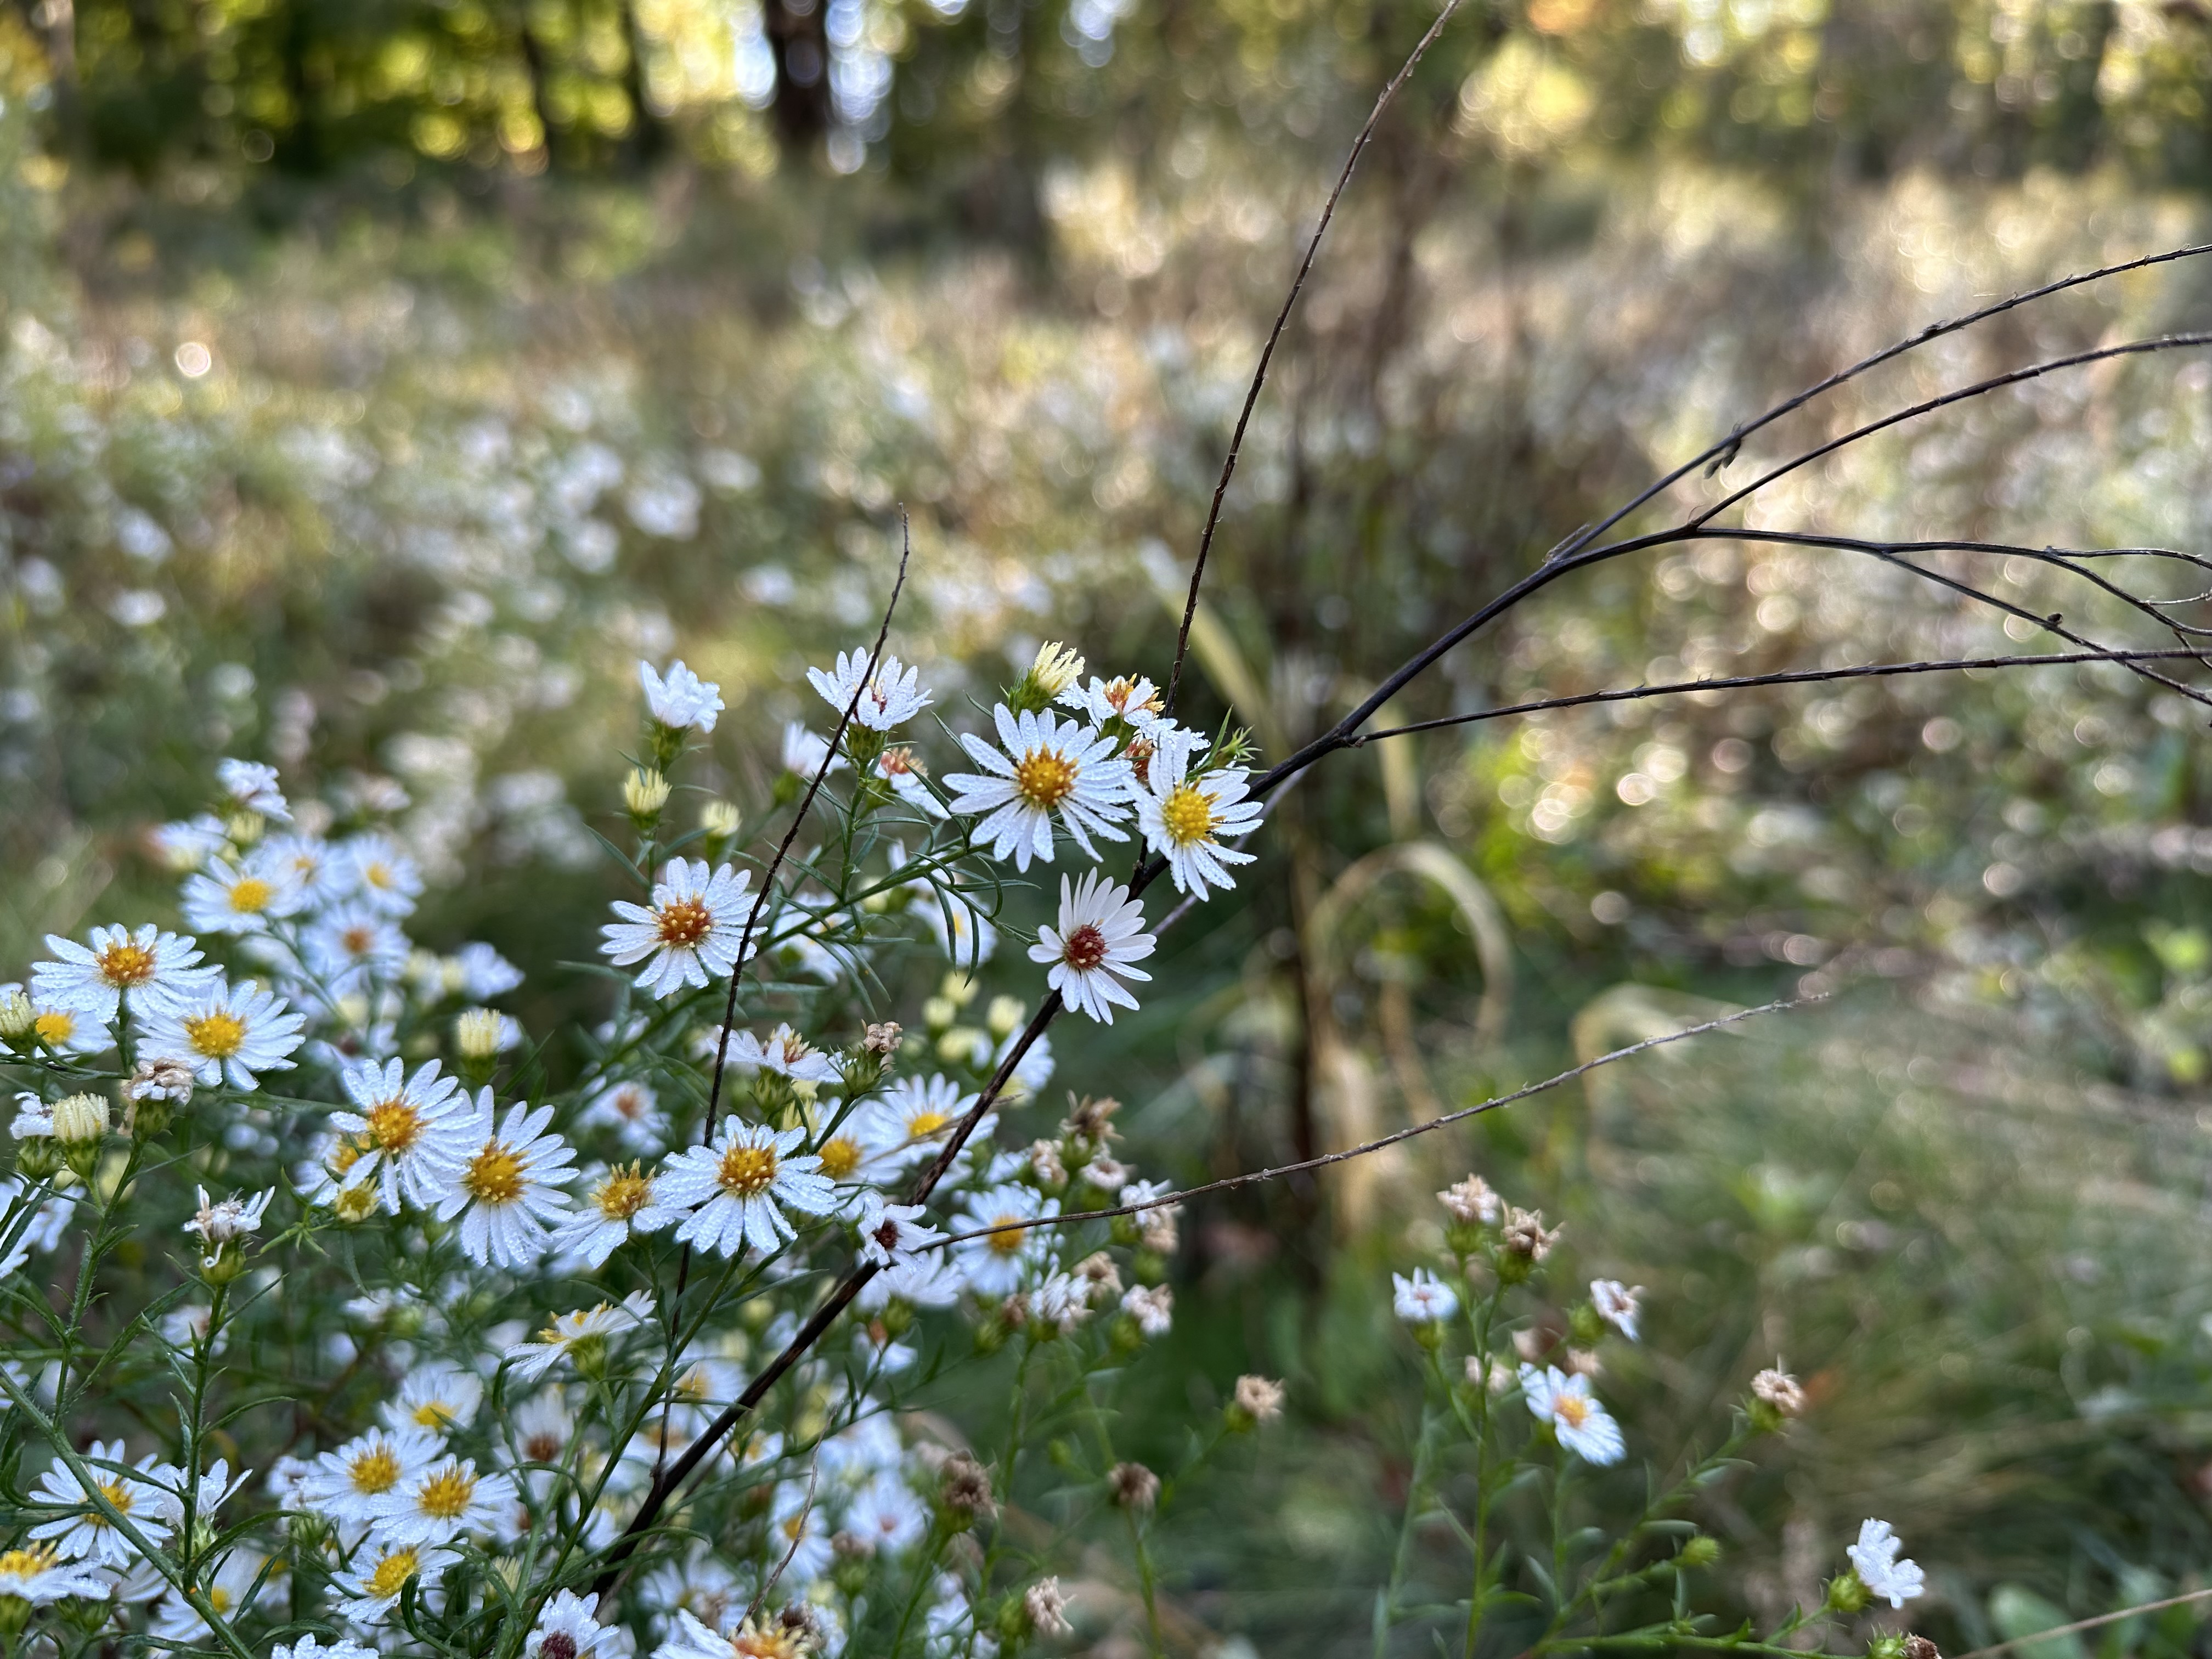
x=381 y=377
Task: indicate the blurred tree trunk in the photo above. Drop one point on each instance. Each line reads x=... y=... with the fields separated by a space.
x=648 y=134
x=799 y=37
x=534 y=64
x=53 y=22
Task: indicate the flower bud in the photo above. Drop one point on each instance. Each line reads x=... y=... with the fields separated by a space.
x=720 y=821
x=245 y=828
x=38 y=1158
x=80 y=1120
x=1888 y=1645
x=356 y=1203
x=1847 y=1592
x=1701 y=1551
x=1257 y=1400
x=1005 y=1017
x=957 y=989
x=645 y=792
x=18 y=1019
x=1776 y=1397
x=939 y=1013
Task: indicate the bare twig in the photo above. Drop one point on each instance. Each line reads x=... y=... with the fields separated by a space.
x=2080 y=1624
x=798 y=1537
x=1274 y=337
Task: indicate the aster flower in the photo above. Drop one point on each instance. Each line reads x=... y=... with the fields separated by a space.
x=37 y=1573
x=250 y=786
x=68 y=1031
x=905 y=1123
x=888 y=698
x=891 y=1234
x=1186 y=819
x=497 y=1178
x=1473 y=1201
x=1259 y=1398
x=228 y=1221
x=1584 y=1427
x=901 y=768
x=350 y=1482
x=229 y=1590
x=89 y=1533
x=632 y=1111
x=1780 y=1393
x=1047 y=766
x=313 y=867
x=1134 y=702
x=692 y=932
x=618 y=1205
x=241 y=898
x=804 y=752
x=1874 y=1559
x=435 y=1396
x=50 y=1220
x=146 y=965
x=700 y=1585
x=1101 y=933
x=485 y=974
x=887 y=1514
x=351 y=944
x=307 y=1647
x=586 y=1330
x=224 y=1033
x=373 y=1589
x=737 y=1186
x=783 y=1052
x=438 y=1502
x=399 y=1127
x=1617 y=1305
x=1153 y=1309
x=384 y=879
x=967 y=937
x=995 y=1264
x=1423 y=1299
x=187 y=844
x=681 y=701
x=569 y=1627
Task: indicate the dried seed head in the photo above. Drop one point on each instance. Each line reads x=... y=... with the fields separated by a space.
x=965 y=1485
x=1134 y=1486
x=1259 y=1398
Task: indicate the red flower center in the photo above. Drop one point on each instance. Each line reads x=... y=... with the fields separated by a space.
x=1084 y=949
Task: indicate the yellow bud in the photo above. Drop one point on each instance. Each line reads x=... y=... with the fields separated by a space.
x=1056 y=668
x=721 y=818
x=80 y=1120
x=1005 y=1015
x=958 y=989
x=18 y=1016
x=477 y=1033
x=645 y=792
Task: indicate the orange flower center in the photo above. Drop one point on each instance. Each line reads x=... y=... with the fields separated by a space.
x=683 y=923
x=623 y=1194
x=747 y=1171
x=1045 y=777
x=1571 y=1409
x=394 y=1125
x=493 y=1174
x=126 y=965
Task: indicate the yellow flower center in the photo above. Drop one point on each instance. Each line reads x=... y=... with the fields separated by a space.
x=377 y=875
x=218 y=1598
x=376 y=1470
x=747 y=1171
x=1571 y=1409
x=394 y=1125
x=623 y=1194
x=924 y=1124
x=840 y=1157
x=392 y=1573
x=1044 y=776
x=683 y=923
x=445 y=1496
x=28 y=1562
x=1006 y=1237
x=493 y=1174
x=125 y=965
x=692 y=1385
x=250 y=896
x=116 y=1493
x=434 y=1415
x=1188 y=814
x=56 y=1028
x=355 y=1203
x=749 y=1643
x=218 y=1035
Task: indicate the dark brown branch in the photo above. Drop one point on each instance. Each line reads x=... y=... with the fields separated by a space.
x=1274 y=337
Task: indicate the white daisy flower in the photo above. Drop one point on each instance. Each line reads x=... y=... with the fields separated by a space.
x=1047 y=766
x=542 y=1429
x=700 y=1585
x=352 y=944
x=440 y=1502
x=229 y=1590
x=225 y=1223
x=1617 y=1305
x=145 y=964
x=967 y=937
x=569 y=1331
x=1101 y=933
x=224 y=1033
x=1186 y=819
x=307 y=1647
x=187 y=844
x=736 y=1186
x=251 y=787
x=89 y=1533
x=633 y=1111
x=399 y=1126
x=349 y=1483
x=384 y=879
x=783 y=1052
x=373 y=1589
x=1584 y=1427
x=890 y=697
x=1423 y=1299
x=887 y=1514
x=698 y=1392
x=692 y=932
x=1134 y=702
x=1153 y=1309
x=241 y=898
x=907 y=1122
x=681 y=701
x=804 y=750
x=316 y=869
x=892 y=1234
x=618 y=1205
x=37 y=1573
x=1874 y=1559
x=1031 y=1072
x=901 y=768
x=496 y=1178
x=437 y=1397
x=67 y=1030
x=690 y=1639
x=799 y=1534
x=569 y=1627
x=995 y=1264
x=934 y=1281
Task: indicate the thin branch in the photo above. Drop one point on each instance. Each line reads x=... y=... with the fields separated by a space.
x=1275 y=335
x=1788 y=676
x=1727 y=447
x=2080 y=1624
x=1251 y=1178
x=798 y=1537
